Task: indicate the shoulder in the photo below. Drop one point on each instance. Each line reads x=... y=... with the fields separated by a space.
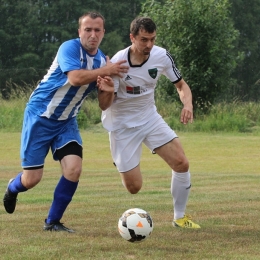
x=122 y=54
x=157 y=50
x=71 y=43
x=163 y=55
x=69 y=49
x=70 y=46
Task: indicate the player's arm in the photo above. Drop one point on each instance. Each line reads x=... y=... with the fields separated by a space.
x=186 y=98
x=105 y=91
x=83 y=76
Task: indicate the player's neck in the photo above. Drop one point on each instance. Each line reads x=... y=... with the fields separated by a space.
x=136 y=57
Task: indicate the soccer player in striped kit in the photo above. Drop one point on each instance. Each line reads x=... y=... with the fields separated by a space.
x=50 y=116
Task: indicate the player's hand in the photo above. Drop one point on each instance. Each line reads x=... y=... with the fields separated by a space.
x=117 y=68
x=105 y=84
x=187 y=115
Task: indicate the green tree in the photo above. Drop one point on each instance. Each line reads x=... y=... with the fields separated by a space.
x=246 y=17
x=201 y=37
x=31 y=32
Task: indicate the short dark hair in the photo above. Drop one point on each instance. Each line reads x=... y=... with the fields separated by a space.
x=93 y=15
x=142 y=23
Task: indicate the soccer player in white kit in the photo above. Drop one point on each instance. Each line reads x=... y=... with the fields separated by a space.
x=133 y=119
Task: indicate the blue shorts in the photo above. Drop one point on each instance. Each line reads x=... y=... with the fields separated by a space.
x=39 y=134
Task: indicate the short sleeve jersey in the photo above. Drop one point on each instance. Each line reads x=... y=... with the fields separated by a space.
x=134 y=102
x=55 y=97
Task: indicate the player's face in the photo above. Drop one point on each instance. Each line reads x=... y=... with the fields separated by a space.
x=91 y=33
x=143 y=42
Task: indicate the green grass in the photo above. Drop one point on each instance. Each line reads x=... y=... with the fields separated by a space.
x=236 y=117
x=224 y=200
x=11 y=114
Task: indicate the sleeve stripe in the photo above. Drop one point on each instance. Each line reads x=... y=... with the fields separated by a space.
x=175 y=70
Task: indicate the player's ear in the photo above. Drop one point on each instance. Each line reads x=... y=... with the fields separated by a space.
x=131 y=37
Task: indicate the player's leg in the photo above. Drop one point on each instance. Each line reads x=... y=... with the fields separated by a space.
x=70 y=157
x=132 y=180
x=173 y=154
x=33 y=151
x=126 y=150
x=164 y=141
x=23 y=181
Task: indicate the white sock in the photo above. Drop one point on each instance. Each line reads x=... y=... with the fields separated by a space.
x=180 y=189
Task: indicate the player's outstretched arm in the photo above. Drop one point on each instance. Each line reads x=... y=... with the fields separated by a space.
x=186 y=98
x=83 y=76
x=105 y=91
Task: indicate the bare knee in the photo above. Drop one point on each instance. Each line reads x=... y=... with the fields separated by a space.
x=172 y=153
x=71 y=167
x=132 y=180
x=134 y=188
x=31 y=178
x=181 y=165
x=73 y=173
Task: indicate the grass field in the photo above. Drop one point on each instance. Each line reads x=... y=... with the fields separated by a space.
x=224 y=200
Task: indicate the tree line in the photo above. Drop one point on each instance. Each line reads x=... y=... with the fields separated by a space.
x=32 y=30
x=215 y=43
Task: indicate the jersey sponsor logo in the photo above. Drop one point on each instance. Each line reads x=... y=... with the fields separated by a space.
x=135 y=90
x=127 y=78
x=153 y=72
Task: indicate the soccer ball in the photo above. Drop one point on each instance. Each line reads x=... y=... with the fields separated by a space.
x=135 y=225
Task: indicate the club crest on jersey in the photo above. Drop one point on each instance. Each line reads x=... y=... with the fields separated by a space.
x=153 y=72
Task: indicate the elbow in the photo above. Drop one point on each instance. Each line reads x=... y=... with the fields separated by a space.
x=105 y=101
x=75 y=83
x=104 y=107
x=75 y=78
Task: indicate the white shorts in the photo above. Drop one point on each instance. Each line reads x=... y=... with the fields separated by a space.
x=126 y=144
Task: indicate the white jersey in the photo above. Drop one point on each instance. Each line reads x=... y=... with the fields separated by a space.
x=134 y=102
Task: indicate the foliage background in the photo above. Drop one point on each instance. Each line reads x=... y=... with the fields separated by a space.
x=201 y=36
x=31 y=32
x=246 y=18
x=216 y=43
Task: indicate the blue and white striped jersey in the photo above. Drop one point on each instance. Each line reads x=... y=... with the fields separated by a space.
x=55 y=97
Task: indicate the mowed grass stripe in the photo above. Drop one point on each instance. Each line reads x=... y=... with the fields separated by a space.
x=224 y=200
